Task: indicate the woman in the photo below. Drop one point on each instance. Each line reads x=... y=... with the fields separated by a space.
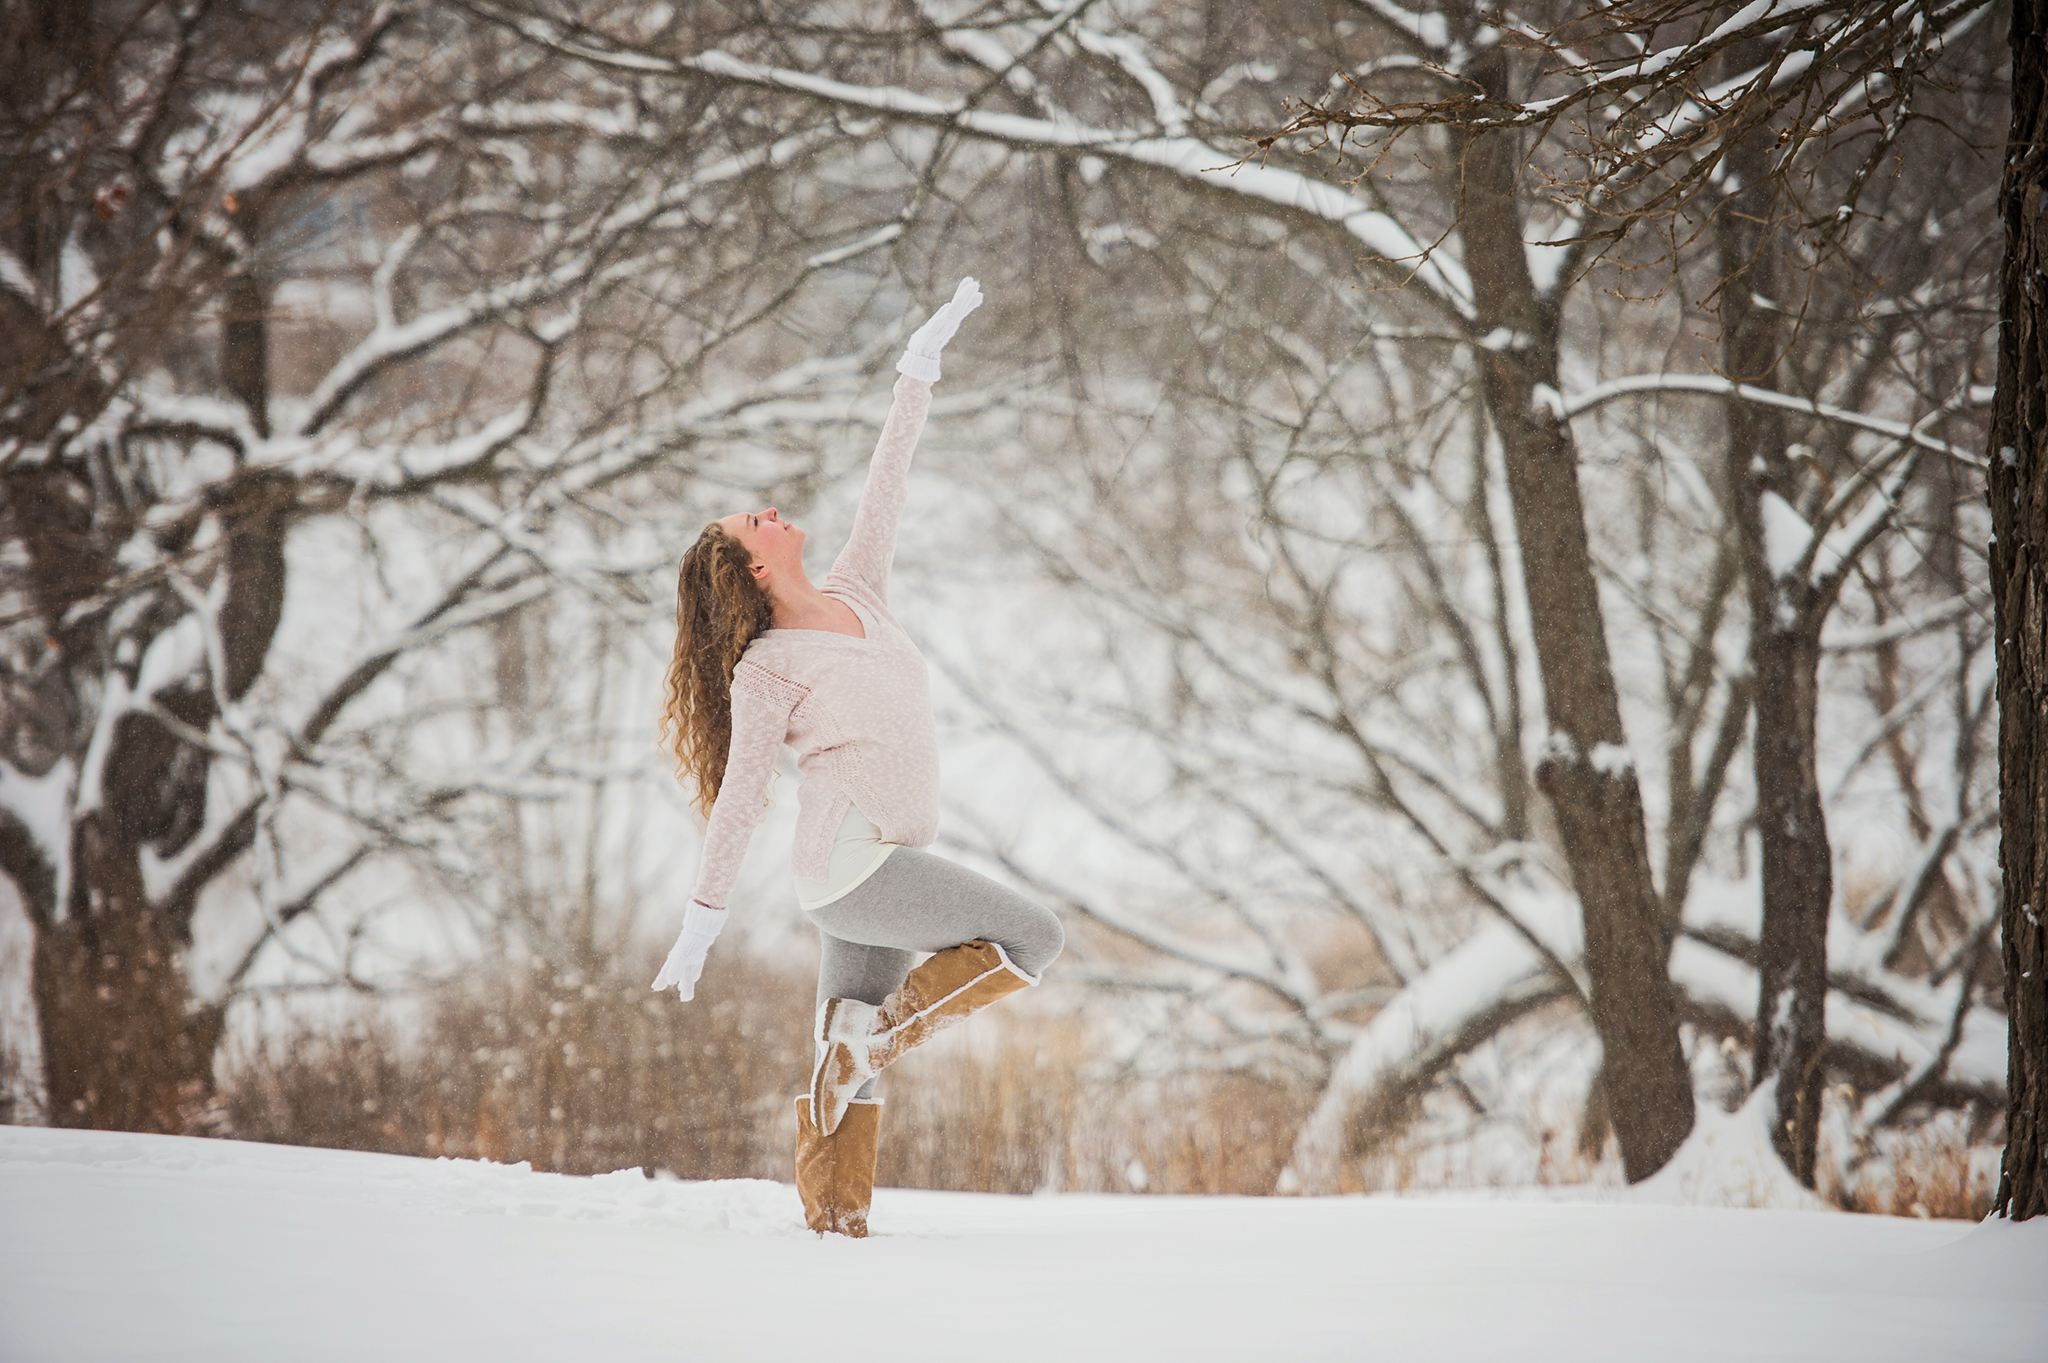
x=763 y=658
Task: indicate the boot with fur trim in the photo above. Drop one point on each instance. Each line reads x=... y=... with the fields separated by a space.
x=835 y=1174
x=856 y=1040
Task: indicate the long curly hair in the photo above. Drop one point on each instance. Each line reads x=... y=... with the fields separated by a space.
x=720 y=608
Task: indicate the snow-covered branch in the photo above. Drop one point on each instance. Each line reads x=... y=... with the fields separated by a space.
x=1586 y=400
x=1282 y=192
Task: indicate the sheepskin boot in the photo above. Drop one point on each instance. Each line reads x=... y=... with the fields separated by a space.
x=835 y=1174
x=856 y=1040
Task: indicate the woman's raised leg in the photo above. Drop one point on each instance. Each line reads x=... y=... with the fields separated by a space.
x=916 y=901
x=988 y=942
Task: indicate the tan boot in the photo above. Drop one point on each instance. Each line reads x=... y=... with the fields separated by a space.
x=856 y=1040
x=835 y=1174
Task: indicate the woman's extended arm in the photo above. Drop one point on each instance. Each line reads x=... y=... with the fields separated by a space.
x=872 y=547
x=761 y=706
x=760 y=721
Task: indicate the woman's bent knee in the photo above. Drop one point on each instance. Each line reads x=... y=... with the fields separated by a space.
x=1039 y=941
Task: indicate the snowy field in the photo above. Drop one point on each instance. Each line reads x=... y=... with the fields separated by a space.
x=164 y=1248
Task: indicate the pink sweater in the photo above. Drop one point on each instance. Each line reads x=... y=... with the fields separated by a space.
x=857 y=711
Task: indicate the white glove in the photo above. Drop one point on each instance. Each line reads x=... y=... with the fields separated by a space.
x=921 y=357
x=685 y=960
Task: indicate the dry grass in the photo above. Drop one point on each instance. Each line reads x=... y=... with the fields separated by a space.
x=19 y=1090
x=586 y=1077
x=993 y=1119
x=570 y=1075
x=1930 y=1170
x=1218 y=1134
x=21 y=1082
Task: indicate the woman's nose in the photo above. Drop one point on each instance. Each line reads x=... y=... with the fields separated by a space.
x=770 y=515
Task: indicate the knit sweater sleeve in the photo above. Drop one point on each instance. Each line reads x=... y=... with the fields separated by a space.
x=761 y=706
x=872 y=547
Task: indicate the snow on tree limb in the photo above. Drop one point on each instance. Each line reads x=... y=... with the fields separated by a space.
x=566 y=269
x=38 y=806
x=1646 y=103
x=1186 y=157
x=1879 y=1022
x=1872 y=1038
x=1491 y=979
x=1579 y=403
x=1907 y=626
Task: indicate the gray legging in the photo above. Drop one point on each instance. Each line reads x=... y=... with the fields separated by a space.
x=915 y=903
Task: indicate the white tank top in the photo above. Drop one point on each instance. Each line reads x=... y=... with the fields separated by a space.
x=857 y=851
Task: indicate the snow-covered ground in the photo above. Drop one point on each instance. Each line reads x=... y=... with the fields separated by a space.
x=118 y=1246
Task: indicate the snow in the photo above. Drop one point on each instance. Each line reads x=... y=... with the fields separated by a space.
x=1429 y=29
x=177 y=653
x=1904 y=626
x=1557 y=746
x=126 y=1246
x=1547 y=260
x=1840 y=544
x=1728 y=1161
x=1612 y=759
x=41 y=804
x=77 y=280
x=1787 y=536
x=1599 y=394
x=1492 y=963
x=1128 y=54
x=16 y=278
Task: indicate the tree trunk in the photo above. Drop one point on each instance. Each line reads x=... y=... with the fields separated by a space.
x=245 y=341
x=124 y=1046
x=1598 y=803
x=2019 y=584
x=1798 y=886
x=1784 y=649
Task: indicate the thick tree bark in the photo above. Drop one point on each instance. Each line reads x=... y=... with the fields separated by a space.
x=2019 y=584
x=125 y=1046
x=1597 y=802
x=1785 y=621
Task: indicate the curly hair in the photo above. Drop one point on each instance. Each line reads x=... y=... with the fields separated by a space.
x=720 y=608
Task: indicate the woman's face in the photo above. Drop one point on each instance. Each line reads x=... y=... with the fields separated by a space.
x=776 y=544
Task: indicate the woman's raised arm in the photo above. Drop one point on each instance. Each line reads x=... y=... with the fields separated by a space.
x=871 y=548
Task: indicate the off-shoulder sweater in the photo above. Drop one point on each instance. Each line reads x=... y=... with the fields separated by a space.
x=857 y=711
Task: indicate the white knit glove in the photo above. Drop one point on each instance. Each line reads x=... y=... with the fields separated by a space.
x=921 y=357
x=686 y=958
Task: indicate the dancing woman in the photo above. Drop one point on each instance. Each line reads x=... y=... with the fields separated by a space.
x=764 y=657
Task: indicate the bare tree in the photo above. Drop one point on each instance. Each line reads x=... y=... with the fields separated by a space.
x=1744 y=117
